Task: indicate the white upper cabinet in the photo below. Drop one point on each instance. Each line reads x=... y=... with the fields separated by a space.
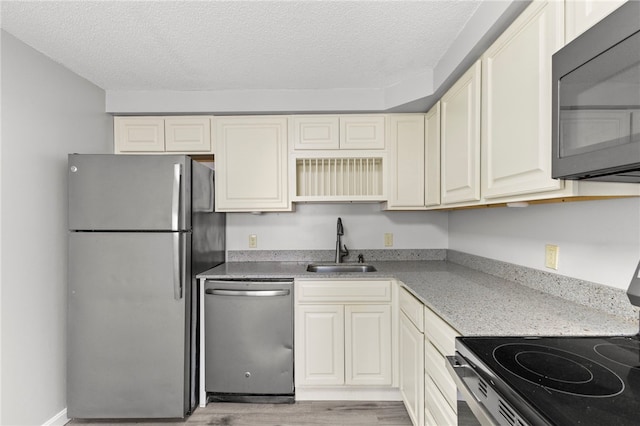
x=460 y=139
x=406 y=161
x=432 y=156
x=338 y=158
x=138 y=134
x=315 y=131
x=319 y=132
x=181 y=134
x=580 y=15
x=516 y=104
x=187 y=134
x=362 y=131
x=251 y=163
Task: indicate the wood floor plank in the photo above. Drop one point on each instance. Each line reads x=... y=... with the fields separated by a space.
x=303 y=413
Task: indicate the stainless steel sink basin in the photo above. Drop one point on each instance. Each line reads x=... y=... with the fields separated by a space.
x=340 y=267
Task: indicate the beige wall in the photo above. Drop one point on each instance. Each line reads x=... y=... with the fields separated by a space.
x=599 y=241
x=47 y=112
x=313 y=227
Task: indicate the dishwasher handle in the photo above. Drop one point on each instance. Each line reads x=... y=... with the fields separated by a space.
x=247 y=293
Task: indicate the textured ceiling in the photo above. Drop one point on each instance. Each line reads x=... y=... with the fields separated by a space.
x=240 y=45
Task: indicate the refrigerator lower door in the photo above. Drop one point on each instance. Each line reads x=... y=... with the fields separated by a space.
x=128 y=343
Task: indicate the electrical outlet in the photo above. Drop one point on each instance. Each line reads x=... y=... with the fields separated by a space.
x=551 y=256
x=388 y=239
x=253 y=241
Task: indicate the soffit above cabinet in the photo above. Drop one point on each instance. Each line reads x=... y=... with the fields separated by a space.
x=270 y=56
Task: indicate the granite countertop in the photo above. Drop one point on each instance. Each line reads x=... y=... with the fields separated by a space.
x=473 y=302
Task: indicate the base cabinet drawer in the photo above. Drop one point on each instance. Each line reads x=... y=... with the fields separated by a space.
x=352 y=291
x=437 y=406
x=434 y=365
x=412 y=308
x=441 y=334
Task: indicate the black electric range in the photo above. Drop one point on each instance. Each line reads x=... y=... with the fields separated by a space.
x=551 y=380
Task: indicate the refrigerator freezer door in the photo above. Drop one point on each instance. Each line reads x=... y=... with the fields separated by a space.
x=129 y=192
x=127 y=339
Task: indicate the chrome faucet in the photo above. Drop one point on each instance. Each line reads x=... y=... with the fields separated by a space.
x=340 y=253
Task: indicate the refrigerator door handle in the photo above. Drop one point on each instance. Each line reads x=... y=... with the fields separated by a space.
x=175 y=201
x=177 y=266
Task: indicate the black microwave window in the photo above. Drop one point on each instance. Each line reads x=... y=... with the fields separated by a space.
x=600 y=101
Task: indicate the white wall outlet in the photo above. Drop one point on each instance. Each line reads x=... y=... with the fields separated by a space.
x=551 y=256
x=388 y=239
x=253 y=241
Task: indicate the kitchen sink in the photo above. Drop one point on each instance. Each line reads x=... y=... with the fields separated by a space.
x=340 y=267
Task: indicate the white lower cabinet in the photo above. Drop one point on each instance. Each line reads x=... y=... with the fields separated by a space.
x=428 y=392
x=320 y=345
x=412 y=369
x=440 y=396
x=439 y=411
x=412 y=355
x=343 y=333
x=368 y=345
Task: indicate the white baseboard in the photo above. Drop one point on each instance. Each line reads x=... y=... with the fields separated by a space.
x=342 y=394
x=59 y=419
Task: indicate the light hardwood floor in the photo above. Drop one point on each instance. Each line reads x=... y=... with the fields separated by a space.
x=302 y=413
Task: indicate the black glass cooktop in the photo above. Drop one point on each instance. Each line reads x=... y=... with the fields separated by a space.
x=568 y=380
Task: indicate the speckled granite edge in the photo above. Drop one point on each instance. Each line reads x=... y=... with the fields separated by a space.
x=607 y=299
x=328 y=255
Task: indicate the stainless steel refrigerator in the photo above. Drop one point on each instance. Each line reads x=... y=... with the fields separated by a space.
x=140 y=228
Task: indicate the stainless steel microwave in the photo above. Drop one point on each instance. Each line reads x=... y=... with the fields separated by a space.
x=596 y=101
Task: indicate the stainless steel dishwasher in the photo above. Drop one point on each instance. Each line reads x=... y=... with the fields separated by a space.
x=249 y=340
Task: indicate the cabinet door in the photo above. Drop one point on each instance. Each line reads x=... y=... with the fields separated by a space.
x=319 y=353
x=368 y=345
x=583 y=14
x=315 y=131
x=251 y=163
x=460 y=139
x=412 y=369
x=406 y=161
x=432 y=157
x=516 y=98
x=362 y=131
x=188 y=134
x=138 y=134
